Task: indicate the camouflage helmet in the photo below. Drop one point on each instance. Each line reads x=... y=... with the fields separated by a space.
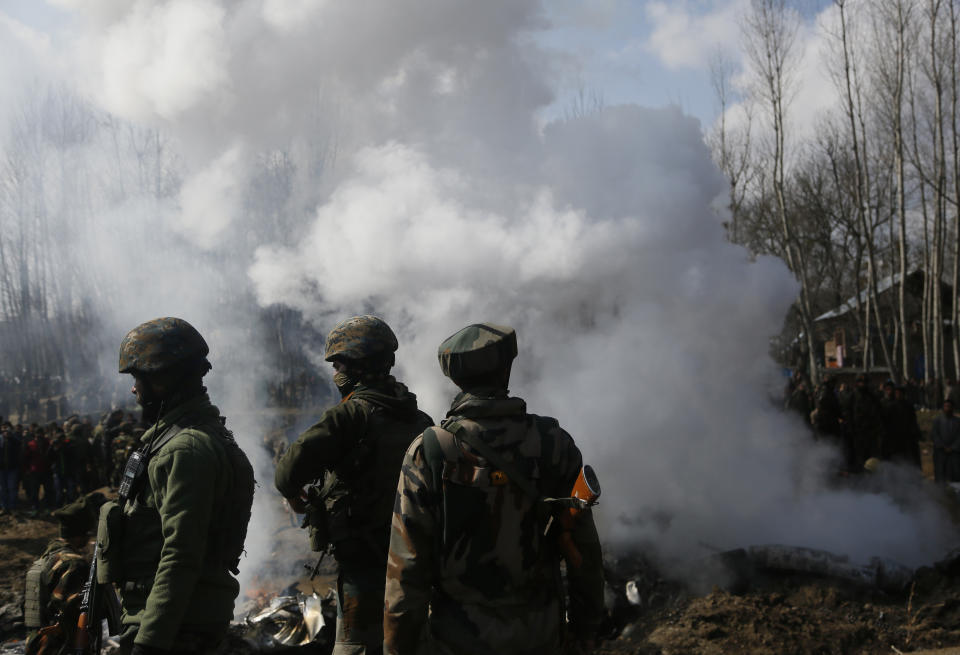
x=477 y=350
x=360 y=337
x=160 y=344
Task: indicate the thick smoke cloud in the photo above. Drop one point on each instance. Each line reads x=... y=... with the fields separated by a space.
x=427 y=188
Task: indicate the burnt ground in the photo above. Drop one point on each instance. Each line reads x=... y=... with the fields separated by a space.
x=772 y=613
x=797 y=615
x=777 y=614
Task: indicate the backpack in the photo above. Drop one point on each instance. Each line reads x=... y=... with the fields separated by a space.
x=494 y=514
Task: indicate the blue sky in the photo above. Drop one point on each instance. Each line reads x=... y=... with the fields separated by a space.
x=650 y=52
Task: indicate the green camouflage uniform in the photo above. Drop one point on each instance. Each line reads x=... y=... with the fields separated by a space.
x=469 y=551
x=62 y=573
x=469 y=570
x=356 y=447
x=54 y=584
x=172 y=565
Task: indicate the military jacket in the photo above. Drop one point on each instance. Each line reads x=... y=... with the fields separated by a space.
x=467 y=547
x=174 y=570
x=360 y=442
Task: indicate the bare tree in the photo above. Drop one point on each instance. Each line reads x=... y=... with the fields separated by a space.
x=954 y=117
x=892 y=26
x=853 y=109
x=770 y=31
x=731 y=145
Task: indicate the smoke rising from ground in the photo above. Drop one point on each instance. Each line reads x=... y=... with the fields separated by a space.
x=419 y=181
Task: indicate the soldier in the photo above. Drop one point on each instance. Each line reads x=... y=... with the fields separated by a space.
x=123 y=445
x=470 y=569
x=55 y=581
x=357 y=446
x=174 y=537
x=103 y=435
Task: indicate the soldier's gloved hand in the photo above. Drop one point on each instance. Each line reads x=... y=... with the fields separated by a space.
x=140 y=649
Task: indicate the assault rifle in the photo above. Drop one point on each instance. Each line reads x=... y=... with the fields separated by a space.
x=87 y=637
x=87 y=632
x=585 y=492
x=97 y=603
x=316 y=519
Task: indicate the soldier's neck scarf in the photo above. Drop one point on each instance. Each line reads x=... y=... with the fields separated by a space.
x=345 y=383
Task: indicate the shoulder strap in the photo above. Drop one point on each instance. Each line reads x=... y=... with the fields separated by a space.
x=164 y=438
x=446 y=442
x=513 y=474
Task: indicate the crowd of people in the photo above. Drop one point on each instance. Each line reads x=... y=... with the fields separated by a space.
x=54 y=464
x=873 y=424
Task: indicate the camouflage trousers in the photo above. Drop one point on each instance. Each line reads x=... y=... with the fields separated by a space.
x=187 y=642
x=360 y=591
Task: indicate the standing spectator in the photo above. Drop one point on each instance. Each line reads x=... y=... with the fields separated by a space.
x=799 y=401
x=35 y=467
x=65 y=458
x=9 y=467
x=828 y=412
x=864 y=428
x=914 y=393
x=901 y=432
x=933 y=395
x=946 y=445
x=952 y=392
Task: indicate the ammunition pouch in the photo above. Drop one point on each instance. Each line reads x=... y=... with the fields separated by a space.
x=109 y=542
x=35 y=603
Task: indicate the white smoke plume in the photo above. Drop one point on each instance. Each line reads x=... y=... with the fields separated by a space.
x=428 y=188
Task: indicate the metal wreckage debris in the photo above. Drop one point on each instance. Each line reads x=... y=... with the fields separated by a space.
x=291 y=621
x=296 y=624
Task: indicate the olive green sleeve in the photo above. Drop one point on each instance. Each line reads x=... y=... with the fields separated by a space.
x=320 y=447
x=184 y=485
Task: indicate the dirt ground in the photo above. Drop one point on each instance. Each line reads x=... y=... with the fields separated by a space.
x=774 y=613
x=777 y=615
x=22 y=540
x=789 y=615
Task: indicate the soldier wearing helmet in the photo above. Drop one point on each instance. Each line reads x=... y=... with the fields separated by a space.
x=172 y=541
x=474 y=564
x=54 y=584
x=351 y=458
